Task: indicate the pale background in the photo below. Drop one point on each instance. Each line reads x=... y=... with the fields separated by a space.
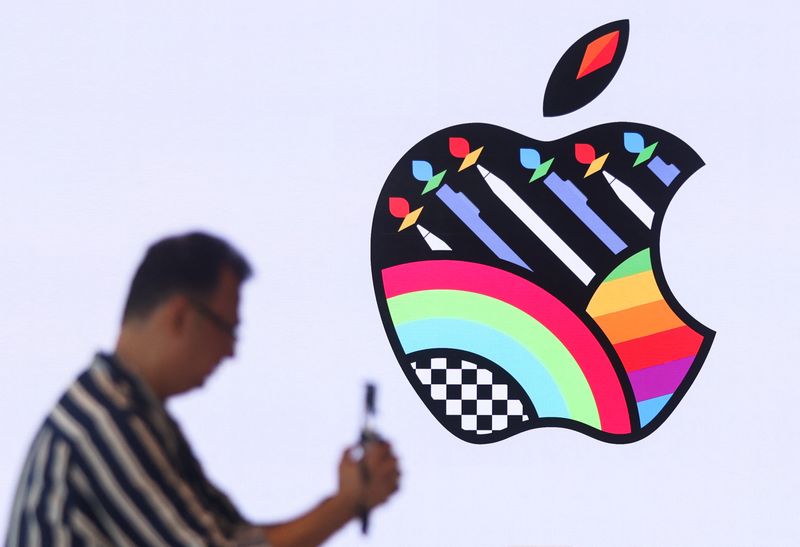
x=276 y=124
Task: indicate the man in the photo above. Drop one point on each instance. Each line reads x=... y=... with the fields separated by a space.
x=109 y=466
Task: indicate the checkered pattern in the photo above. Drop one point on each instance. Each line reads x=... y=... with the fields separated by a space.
x=469 y=392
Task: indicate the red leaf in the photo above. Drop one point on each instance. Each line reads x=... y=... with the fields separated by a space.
x=599 y=53
x=584 y=153
x=459 y=147
x=398 y=207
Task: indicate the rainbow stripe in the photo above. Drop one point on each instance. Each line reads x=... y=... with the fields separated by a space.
x=449 y=304
x=655 y=346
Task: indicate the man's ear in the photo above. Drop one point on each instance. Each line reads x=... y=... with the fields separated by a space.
x=176 y=311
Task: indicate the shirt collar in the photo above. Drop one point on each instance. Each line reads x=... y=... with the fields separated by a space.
x=139 y=397
x=139 y=390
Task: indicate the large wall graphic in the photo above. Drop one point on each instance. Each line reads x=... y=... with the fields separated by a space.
x=519 y=281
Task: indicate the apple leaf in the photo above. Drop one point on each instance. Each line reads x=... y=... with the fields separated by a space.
x=586 y=68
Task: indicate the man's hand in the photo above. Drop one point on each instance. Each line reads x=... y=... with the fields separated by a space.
x=370 y=481
x=363 y=484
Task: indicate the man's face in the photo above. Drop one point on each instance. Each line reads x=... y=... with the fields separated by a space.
x=210 y=334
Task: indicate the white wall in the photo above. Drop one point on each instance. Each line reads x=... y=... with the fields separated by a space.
x=277 y=125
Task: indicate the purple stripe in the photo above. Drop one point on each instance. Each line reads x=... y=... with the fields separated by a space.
x=659 y=380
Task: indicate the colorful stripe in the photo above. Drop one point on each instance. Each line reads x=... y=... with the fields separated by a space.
x=638 y=263
x=655 y=346
x=584 y=352
x=659 y=380
x=624 y=293
x=650 y=408
x=514 y=356
x=656 y=349
x=638 y=321
x=536 y=349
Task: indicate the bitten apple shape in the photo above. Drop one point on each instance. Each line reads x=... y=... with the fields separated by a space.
x=519 y=281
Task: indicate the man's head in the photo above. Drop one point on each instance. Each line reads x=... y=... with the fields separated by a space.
x=181 y=314
x=189 y=264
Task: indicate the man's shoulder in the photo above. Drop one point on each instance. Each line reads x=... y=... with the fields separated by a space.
x=96 y=397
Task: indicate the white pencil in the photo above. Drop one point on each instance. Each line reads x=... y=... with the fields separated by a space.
x=538 y=226
x=433 y=241
x=631 y=199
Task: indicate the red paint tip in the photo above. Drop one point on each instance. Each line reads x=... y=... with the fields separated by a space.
x=584 y=153
x=398 y=207
x=459 y=147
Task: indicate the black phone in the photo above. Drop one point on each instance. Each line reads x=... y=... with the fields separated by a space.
x=368 y=434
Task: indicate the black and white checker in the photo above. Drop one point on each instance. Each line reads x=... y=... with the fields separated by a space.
x=464 y=390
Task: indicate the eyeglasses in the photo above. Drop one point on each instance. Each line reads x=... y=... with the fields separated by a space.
x=217 y=320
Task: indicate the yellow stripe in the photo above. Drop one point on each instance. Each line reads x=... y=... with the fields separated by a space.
x=623 y=293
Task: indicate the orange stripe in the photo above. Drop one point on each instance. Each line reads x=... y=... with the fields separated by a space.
x=638 y=321
x=659 y=348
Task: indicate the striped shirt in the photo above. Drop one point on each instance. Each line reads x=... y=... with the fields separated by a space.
x=109 y=466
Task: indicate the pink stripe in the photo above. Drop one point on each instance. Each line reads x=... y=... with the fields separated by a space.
x=536 y=302
x=659 y=380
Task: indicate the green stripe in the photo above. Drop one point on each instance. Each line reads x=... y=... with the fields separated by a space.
x=638 y=263
x=513 y=322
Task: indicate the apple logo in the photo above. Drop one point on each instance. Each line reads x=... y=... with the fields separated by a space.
x=520 y=282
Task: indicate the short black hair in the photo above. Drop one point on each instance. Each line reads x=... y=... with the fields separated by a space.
x=190 y=263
